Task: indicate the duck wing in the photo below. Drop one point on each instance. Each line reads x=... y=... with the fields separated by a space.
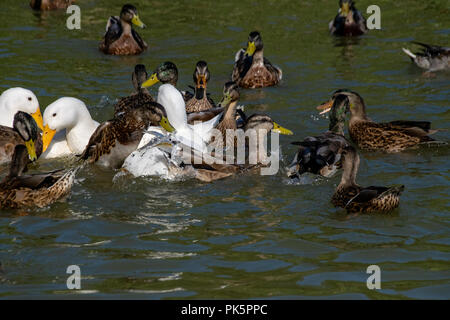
x=113 y=31
x=241 y=66
x=138 y=39
x=432 y=50
x=36 y=181
x=204 y=115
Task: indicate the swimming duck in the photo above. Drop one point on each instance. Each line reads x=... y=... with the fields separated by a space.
x=120 y=38
x=322 y=154
x=24 y=132
x=194 y=136
x=37 y=190
x=199 y=101
x=68 y=127
x=357 y=199
x=19 y=99
x=140 y=95
x=431 y=58
x=349 y=21
x=251 y=69
x=50 y=4
x=116 y=139
x=394 y=136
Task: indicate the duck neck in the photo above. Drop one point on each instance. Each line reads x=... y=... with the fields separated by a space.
x=126 y=27
x=230 y=113
x=78 y=136
x=351 y=166
x=337 y=127
x=258 y=57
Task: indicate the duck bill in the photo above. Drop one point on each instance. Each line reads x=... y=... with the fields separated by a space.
x=47 y=137
x=31 y=150
x=137 y=22
x=345 y=9
x=151 y=81
x=166 y=125
x=279 y=129
x=325 y=107
x=226 y=100
x=251 y=48
x=37 y=116
x=201 y=81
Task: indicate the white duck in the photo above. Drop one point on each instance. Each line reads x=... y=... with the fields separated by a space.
x=73 y=125
x=19 y=99
x=195 y=136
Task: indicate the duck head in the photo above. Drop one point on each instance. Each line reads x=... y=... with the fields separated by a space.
x=264 y=122
x=129 y=14
x=25 y=125
x=230 y=94
x=340 y=106
x=201 y=77
x=167 y=72
x=254 y=44
x=139 y=76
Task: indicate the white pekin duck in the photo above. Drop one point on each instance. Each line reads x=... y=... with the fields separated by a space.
x=19 y=99
x=68 y=127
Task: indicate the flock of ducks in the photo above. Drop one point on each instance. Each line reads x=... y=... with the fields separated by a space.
x=145 y=134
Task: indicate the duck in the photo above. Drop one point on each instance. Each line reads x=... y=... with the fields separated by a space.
x=24 y=132
x=139 y=96
x=50 y=4
x=68 y=127
x=114 y=140
x=199 y=100
x=252 y=69
x=357 y=199
x=195 y=136
x=391 y=137
x=120 y=38
x=349 y=21
x=431 y=58
x=322 y=154
x=36 y=190
x=17 y=99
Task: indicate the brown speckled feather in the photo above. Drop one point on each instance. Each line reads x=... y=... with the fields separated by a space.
x=195 y=105
x=133 y=101
x=125 y=45
x=386 y=137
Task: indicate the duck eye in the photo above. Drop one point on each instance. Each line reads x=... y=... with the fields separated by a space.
x=54 y=115
x=29 y=98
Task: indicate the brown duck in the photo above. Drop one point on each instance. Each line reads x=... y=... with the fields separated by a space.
x=140 y=96
x=116 y=139
x=120 y=38
x=394 y=136
x=357 y=199
x=251 y=69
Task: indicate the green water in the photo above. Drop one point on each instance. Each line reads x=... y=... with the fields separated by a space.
x=247 y=236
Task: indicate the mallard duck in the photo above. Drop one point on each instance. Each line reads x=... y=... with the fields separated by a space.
x=251 y=69
x=357 y=199
x=50 y=4
x=139 y=97
x=322 y=154
x=19 y=99
x=394 y=136
x=194 y=136
x=24 y=132
x=349 y=21
x=116 y=139
x=199 y=101
x=120 y=38
x=68 y=127
x=431 y=58
x=37 y=190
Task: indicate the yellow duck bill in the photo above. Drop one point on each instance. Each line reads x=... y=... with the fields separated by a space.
x=166 y=125
x=47 y=137
x=251 y=48
x=279 y=129
x=137 y=22
x=31 y=150
x=37 y=116
x=151 y=81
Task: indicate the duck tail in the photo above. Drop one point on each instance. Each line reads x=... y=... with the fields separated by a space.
x=394 y=190
x=409 y=53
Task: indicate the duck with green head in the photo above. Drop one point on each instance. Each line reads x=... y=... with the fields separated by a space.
x=357 y=199
x=252 y=69
x=394 y=136
x=322 y=154
x=120 y=38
